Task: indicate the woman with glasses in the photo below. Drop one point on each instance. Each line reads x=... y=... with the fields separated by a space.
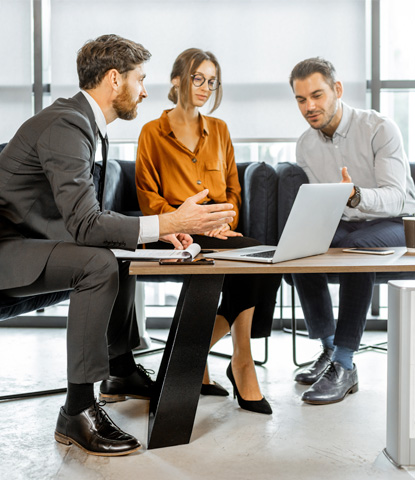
x=184 y=152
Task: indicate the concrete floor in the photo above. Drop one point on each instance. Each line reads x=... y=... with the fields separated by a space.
x=340 y=441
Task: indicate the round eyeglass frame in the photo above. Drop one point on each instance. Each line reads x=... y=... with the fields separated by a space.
x=204 y=80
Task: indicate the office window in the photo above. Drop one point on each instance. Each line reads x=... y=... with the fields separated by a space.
x=397 y=39
x=16 y=66
x=272 y=152
x=400 y=105
x=397 y=67
x=257 y=43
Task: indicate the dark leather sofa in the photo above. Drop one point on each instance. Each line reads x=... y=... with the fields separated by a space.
x=257 y=219
x=259 y=196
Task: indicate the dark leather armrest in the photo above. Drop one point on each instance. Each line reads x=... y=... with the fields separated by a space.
x=260 y=203
x=289 y=179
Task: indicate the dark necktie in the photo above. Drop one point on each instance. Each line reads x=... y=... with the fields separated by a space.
x=101 y=184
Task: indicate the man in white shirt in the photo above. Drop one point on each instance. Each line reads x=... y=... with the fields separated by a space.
x=346 y=144
x=53 y=231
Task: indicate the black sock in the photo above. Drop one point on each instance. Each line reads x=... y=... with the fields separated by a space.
x=123 y=365
x=80 y=396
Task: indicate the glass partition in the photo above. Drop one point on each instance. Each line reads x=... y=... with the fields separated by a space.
x=400 y=105
x=272 y=151
x=257 y=43
x=397 y=39
x=16 y=64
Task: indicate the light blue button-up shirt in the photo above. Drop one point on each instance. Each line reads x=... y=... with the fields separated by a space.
x=370 y=146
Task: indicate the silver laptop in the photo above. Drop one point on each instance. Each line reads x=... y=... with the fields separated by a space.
x=309 y=230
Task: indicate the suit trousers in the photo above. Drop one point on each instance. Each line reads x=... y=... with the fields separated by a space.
x=101 y=319
x=355 y=288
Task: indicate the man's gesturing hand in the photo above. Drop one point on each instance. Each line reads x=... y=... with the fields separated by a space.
x=346 y=178
x=191 y=217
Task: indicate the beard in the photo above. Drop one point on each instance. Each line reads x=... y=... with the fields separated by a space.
x=328 y=115
x=124 y=105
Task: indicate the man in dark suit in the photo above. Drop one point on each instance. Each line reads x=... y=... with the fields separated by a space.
x=52 y=234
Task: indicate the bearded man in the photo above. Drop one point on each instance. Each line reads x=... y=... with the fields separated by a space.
x=55 y=236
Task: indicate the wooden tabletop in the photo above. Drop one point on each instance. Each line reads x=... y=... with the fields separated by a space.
x=334 y=261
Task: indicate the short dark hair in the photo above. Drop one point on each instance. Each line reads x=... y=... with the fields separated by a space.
x=98 y=56
x=185 y=65
x=314 y=65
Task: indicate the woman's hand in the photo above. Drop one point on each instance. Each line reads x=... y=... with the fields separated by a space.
x=223 y=232
x=180 y=241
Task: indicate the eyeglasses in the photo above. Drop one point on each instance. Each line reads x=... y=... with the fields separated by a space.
x=198 y=80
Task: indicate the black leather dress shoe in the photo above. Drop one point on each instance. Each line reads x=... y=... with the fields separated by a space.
x=314 y=371
x=213 y=389
x=137 y=385
x=95 y=433
x=335 y=383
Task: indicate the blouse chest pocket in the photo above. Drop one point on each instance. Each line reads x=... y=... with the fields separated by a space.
x=215 y=179
x=213 y=164
x=215 y=161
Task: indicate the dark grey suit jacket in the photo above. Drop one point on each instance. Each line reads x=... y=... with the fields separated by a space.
x=47 y=193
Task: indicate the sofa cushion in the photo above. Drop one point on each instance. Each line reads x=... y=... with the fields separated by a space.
x=120 y=191
x=260 y=203
x=289 y=179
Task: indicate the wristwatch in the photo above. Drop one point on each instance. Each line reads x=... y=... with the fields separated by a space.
x=354 y=200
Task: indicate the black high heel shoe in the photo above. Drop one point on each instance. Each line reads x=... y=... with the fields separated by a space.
x=213 y=389
x=258 y=406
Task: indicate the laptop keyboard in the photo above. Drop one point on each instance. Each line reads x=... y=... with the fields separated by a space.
x=267 y=254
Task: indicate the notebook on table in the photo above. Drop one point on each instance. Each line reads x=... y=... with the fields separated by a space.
x=309 y=229
x=152 y=255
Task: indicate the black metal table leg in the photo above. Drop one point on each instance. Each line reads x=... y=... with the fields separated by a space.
x=173 y=405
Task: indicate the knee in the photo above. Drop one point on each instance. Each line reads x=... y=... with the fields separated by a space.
x=364 y=237
x=103 y=265
x=360 y=242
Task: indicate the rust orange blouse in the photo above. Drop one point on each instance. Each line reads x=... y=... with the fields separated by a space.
x=167 y=172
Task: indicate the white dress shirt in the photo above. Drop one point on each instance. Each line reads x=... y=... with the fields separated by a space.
x=149 y=225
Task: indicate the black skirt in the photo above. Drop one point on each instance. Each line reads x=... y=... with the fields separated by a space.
x=240 y=292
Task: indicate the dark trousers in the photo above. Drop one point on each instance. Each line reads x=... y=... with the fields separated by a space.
x=101 y=319
x=241 y=292
x=355 y=288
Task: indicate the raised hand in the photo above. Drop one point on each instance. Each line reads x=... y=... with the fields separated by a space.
x=191 y=217
x=346 y=178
